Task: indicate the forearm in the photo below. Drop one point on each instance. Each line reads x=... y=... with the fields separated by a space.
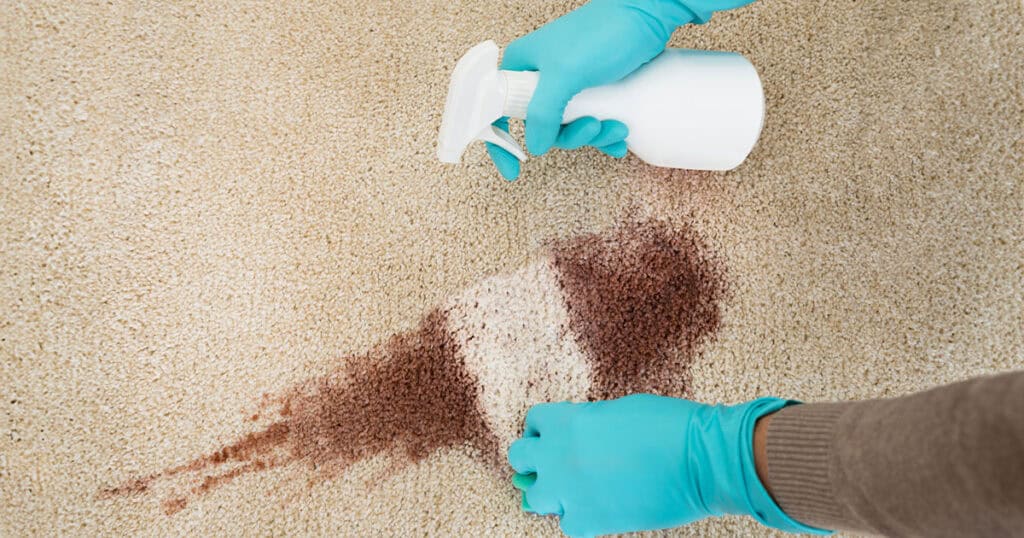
x=945 y=462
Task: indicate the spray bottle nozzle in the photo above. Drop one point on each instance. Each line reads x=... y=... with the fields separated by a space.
x=478 y=95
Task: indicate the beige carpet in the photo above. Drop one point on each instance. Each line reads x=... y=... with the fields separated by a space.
x=240 y=296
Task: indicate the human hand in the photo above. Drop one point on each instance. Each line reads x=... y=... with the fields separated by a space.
x=643 y=462
x=599 y=43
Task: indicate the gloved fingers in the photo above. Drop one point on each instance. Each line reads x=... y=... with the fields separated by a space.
x=518 y=57
x=523 y=481
x=506 y=163
x=525 y=505
x=542 y=500
x=522 y=455
x=543 y=416
x=544 y=114
x=617 y=150
x=579 y=133
x=612 y=131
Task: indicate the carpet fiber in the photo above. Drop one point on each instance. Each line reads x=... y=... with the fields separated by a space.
x=239 y=295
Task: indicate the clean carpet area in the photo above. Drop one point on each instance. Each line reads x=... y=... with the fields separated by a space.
x=239 y=295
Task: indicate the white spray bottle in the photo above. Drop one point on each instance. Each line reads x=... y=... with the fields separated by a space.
x=700 y=110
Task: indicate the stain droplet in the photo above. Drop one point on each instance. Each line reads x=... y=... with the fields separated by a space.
x=173 y=506
x=137 y=485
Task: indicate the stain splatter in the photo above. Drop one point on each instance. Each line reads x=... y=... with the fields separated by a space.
x=408 y=398
x=173 y=506
x=642 y=299
x=136 y=485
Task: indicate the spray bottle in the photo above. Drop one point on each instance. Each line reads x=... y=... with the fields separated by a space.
x=701 y=110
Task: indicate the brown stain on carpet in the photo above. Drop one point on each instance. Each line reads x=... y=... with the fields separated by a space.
x=642 y=300
x=408 y=398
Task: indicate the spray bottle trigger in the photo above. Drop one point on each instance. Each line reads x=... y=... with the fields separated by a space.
x=501 y=139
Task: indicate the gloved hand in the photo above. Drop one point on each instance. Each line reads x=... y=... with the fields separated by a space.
x=598 y=43
x=643 y=462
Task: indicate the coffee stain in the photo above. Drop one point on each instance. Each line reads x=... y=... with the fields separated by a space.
x=642 y=299
x=407 y=398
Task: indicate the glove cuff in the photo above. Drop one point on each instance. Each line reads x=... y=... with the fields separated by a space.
x=753 y=499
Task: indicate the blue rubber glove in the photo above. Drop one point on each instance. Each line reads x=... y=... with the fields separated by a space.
x=599 y=43
x=643 y=462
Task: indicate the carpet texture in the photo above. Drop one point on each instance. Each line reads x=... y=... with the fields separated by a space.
x=239 y=295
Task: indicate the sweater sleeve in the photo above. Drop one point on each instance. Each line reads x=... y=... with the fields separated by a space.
x=945 y=462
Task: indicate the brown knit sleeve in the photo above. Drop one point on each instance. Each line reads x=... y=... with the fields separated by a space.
x=945 y=462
